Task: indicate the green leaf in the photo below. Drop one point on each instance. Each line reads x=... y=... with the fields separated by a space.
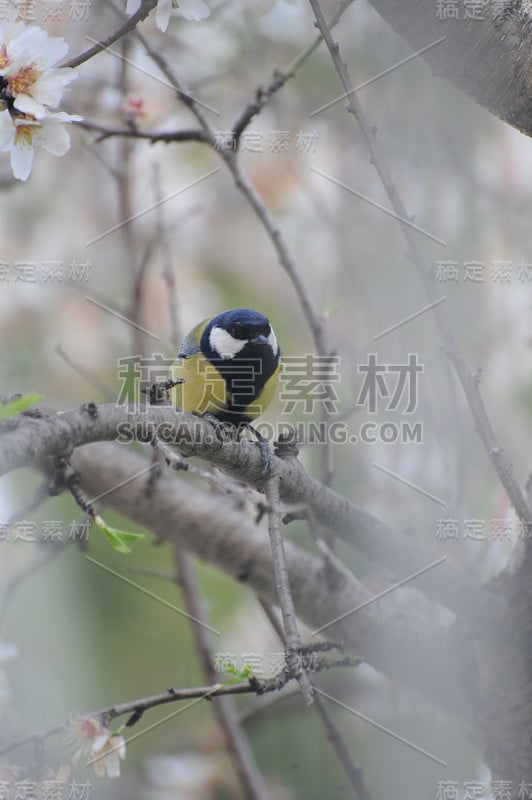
x=127 y=536
x=116 y=537
x=19 y=405
x=239 y=674
x=116 y=542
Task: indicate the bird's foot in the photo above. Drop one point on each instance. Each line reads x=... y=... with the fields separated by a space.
x=264 y=446
x=225 y=431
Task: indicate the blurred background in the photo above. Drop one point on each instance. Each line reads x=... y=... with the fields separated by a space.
x=76 y=639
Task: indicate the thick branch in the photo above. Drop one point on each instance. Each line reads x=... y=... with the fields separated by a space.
x=58 y=435
x=395 y=640
x=488 y=58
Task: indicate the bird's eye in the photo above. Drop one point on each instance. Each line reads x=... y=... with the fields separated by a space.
x=233 y=331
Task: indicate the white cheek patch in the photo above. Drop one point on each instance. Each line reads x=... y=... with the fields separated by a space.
x=224 y=344
x=273 y=342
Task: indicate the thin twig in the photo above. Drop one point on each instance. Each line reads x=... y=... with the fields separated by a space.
x=145 y=7
x=469 y=382
x=336 y=739
x=278 y=80
x=135 y=709
x=353 y=772
x=108 y=131
x=314 y=319
x=255 y=709
x=238 y=748
x=280 y=569
x=262 y=98
x=219 y=481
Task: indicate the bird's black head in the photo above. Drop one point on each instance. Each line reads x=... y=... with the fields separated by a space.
x=237 y=333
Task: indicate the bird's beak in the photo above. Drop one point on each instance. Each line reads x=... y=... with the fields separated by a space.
x=260 y=339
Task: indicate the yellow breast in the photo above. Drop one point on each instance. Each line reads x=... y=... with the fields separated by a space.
x=204 y=390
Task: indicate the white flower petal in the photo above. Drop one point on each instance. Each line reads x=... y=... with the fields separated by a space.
x=50 y=52
x=10 y=30
x=120 y=744
x=67 y=74
x=162 y=14
x=21 y=37
x=99 y=742
x=22 y=47
x=7 y=131
x=99 y=767
x=21 y=161
x=54 y=138
x=132 y=6
x=27 y=105
x=48 y=89
x=112 y=765
x=194 y=10
x=62 y=116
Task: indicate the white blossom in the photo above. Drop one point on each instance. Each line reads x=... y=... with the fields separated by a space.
x=21 y=136
x=96 y=743
x=31 y=85
x=27 y=62
x=194 y=10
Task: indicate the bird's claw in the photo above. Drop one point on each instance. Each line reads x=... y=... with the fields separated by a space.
x=267 y=461
x=224 y=430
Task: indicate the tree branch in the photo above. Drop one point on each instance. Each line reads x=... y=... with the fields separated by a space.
x=489 y=58
x=145 y=7
x=282 y=584
x=395 y=640
x=136 y=709
x=338 y=743
x=28 y=439
x=238 y=748
x=230 y=157
x=503 y=661
x=108 y=131
x=469 y=383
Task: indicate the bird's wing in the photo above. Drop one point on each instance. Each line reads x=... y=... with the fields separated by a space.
x=191 y=344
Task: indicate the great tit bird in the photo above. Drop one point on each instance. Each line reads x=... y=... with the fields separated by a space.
x=229 y=366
